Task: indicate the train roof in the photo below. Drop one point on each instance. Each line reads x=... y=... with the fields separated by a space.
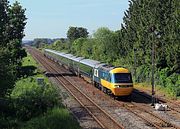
x=49 y=50
x=55 y=52
x=73 y=57
x=62 y=54
x=67 y=56
x=89 y=62
x=77 y=59
x=99 y=65
x=107 y=67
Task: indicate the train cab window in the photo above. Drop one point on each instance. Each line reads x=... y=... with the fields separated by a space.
x=109 y=78
x=122 y=78
x=106 y=76
x=103 y=74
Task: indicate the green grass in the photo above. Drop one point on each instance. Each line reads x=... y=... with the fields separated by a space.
x=57 y=118
x=160 y=91
x=29 y=61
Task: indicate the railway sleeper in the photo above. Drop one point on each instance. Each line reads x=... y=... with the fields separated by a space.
x=162 y=124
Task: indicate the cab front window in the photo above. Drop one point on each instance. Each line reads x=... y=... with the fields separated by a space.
x=122 y=78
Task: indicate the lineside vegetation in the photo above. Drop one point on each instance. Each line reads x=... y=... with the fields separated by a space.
x=23 y=102
x=34 y=106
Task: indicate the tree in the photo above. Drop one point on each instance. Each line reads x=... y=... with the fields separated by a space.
x=39 y=42
x=106 y=45
x=17 y=21
x=11 y=34
x=77 y=46
x=3 y=21
x=15 y=30
x=77 y=32
x=137 y=34
x=7 y=71
x=58 y=45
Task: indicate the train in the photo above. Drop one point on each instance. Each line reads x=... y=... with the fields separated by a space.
x=115 y=81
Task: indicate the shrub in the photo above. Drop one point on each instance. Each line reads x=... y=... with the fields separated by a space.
x=173 y=84
x=162 y=76
x=30 y=99
x=143 y=74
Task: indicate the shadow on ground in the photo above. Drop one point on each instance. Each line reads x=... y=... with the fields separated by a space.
x=58 y=74
x=137 y=97
x=27 y=71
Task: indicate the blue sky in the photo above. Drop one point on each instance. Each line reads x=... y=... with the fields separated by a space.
x=52 y=18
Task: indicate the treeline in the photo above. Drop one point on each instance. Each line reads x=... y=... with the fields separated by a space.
x=40 y=42
x=145 y=24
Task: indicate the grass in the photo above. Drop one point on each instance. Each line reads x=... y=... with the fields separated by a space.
x=30 y=65
x=57 y=118
x=159 y=90
x=29 y=61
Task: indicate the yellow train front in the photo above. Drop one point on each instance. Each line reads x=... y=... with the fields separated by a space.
x=116 y=81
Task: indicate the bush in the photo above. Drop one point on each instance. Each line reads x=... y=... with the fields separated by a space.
x=162 y=76
x=170 y=83
x=30 y=99
x=173 y=84
x=143 y=74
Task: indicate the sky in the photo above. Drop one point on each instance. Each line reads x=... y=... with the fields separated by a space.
x=52 y=18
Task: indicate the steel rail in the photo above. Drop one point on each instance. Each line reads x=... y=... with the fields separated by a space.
x=165 y=121
x=60 y=82
x=168 y=124
x=146 y=111
x=86 y=107
x=120 y=126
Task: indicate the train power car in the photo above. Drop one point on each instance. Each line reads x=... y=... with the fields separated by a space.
x=116 y=81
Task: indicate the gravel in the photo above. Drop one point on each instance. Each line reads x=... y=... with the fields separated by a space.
x=128 y=119
x=79 y=113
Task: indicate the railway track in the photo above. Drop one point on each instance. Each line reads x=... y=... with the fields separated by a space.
x=159 y=99
x=99 y=115
x=173 y=111
x=171 y=105
x=150 y=118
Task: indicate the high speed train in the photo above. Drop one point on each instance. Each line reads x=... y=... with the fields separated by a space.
x=115 y=81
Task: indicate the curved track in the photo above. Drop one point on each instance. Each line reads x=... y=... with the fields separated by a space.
x=99 y=115
x=150 y=118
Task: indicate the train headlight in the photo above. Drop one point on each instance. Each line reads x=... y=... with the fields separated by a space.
x=116 y=86
x=122 y=86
